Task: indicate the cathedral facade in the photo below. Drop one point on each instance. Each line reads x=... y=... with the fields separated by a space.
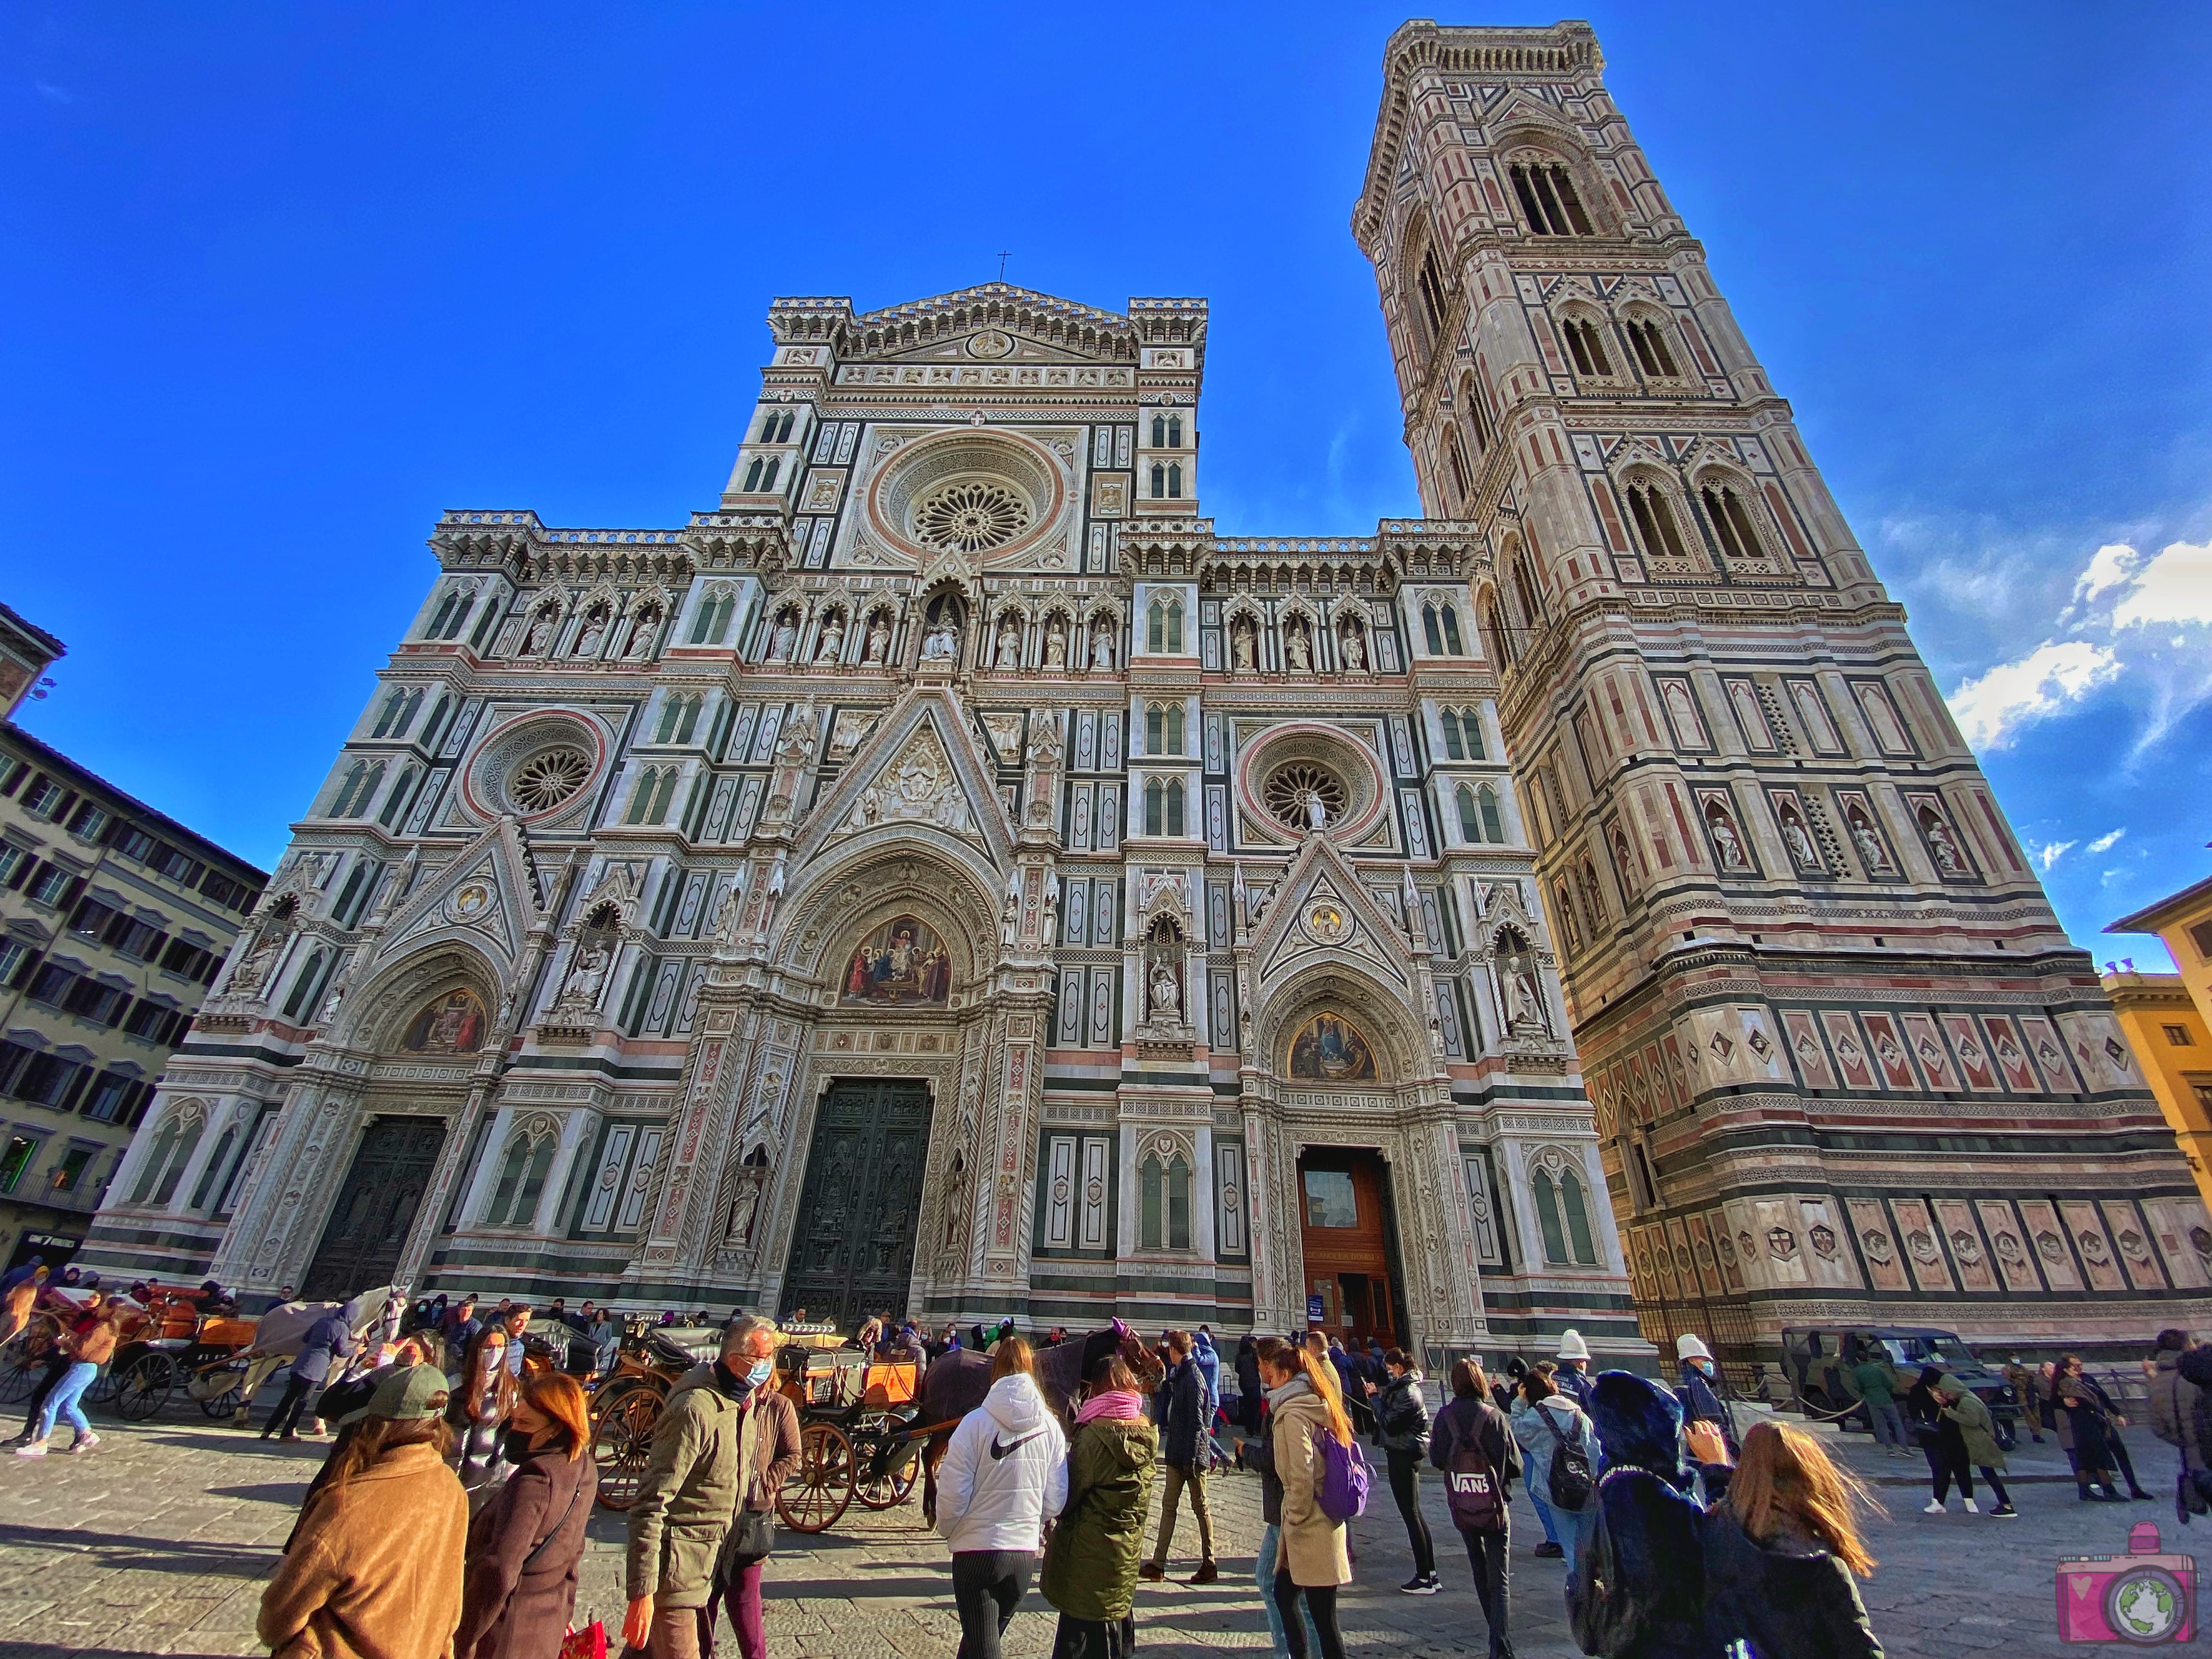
x=949 y=876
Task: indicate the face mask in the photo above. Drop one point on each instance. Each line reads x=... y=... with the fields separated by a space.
x=761 y=1371
x=515 y=1445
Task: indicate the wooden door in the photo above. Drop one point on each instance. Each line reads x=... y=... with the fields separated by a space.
x=852 y=1250
x=360 y=1248
x=1347 y=1237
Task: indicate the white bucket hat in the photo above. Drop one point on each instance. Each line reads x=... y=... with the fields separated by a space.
x=1572 y=1346
x=1691 y=1348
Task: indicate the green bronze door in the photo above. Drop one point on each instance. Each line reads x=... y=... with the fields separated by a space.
x=852 y=1251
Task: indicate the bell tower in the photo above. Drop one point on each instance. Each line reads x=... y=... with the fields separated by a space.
x=1847 y=1066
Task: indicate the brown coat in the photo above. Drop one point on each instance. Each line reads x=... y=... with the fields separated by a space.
x=524 y=1550
x=374 y=1571
x=1314 y=1551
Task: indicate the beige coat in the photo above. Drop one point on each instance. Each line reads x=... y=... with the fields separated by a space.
x=1313 y=1545
x=375 y=1570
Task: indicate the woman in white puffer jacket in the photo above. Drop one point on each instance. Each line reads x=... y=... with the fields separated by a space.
x=1004 y=1476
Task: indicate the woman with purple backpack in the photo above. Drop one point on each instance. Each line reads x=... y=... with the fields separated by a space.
x=1305 y=1407
x=1471 y=1443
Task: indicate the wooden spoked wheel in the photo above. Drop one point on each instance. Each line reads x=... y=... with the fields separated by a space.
x=621 y=1443
x=814 y=1497
x=893 y=1488
x=144 y=1386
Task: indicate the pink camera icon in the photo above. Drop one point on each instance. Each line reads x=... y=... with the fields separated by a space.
x=2142 y=1599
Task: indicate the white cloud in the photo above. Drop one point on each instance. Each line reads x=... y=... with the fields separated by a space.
x=2112 y=565
x=1993 y=707
x=2175 y=587
x=2050 y=853
x=2106 y=843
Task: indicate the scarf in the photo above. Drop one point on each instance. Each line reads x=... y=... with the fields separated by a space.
x=1117 y=1405
x=1278 y=1397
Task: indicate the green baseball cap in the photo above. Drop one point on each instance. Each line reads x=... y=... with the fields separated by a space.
x=407 y=1394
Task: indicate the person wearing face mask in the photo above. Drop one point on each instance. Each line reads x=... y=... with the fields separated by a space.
x=723 y=1439
x=1701 y=1401
x=525 y=1545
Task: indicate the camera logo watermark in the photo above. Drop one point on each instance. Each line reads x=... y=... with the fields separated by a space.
x=2141 y=1599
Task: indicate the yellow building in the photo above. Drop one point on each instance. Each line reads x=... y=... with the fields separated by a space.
x=2184 y=922
x=2172 y=1039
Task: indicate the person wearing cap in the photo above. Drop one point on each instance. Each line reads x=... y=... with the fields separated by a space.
x=375 y=1570
x=1701 y=1403
x=1572 y=1376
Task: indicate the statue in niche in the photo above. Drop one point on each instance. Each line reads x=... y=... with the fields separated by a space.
x=1056 y=646
x=1353 y=648
x=587 y=974
x=786 y=637
x=1243 y=645
x=833 y=640
x=878 y=641
x=726 y=916
x=1730 y=844
x=1868 y=842
x=541 y=626
x=1800 y=843
x=1317 y=811
x=1166 y=994
x=254 y=968
x=942 y=642
x=594 y=634
x=796 y=746
x=1947 y=858
x=1297 y=654
x=1101 y=646
x=743 y=1212
x=640 y=635
x=1010 y=645
x=1524 y=1002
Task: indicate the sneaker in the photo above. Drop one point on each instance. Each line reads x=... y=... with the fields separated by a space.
x=1151 y=1572
x=2004 y=1512
x=83 y=1443
x=33 y=1448
x=1550 y=1552
x=2141 y=1497
x=1972 y=1508
x=1208 y=1573
x=288 y=1438
x=1935 y=1507
x=1420 y=1584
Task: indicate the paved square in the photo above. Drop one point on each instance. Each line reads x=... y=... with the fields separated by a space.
x=159 y=1542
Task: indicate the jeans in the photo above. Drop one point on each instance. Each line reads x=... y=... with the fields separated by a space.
x=1271 y=1545
x=286 y=1418
x=1183 y=1477
x=986 y=1587
x=1544 y=1514
x=1406 y=1488
x=1486 y=1553
x=1956 y=1470
x=61 y=1403
x=1574 y=1527
x=1886 y=1422
x=1319 y=1602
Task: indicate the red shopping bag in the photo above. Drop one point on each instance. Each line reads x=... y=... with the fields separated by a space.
x=590 y=1643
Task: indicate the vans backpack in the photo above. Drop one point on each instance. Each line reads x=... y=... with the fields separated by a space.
x=1340 y=1478
x=1473 y=1491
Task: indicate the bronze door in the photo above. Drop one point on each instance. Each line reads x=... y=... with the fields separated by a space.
x=360 y=1249
x=852 y=1251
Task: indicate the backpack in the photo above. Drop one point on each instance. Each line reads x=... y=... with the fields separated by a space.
x=1572 y=1482
x=1603 y=1619
x=1471 y=1488
x=1340 y=1478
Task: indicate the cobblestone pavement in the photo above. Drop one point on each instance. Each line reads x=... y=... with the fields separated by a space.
x=158 y=1543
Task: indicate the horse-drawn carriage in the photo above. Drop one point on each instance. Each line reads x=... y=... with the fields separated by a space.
x=167 y=1340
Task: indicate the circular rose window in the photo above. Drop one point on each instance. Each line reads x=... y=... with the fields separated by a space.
x=548 y=778
x=971 y=515
x=1295 y=789
x=1291 y=775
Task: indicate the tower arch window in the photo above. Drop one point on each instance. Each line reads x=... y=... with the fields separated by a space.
x=1163 y=729
x=1478 y=413
x=1175 y=432
x=1155 y=808
x=1448 y=617
x=172 y=1150
x=768 y=478
x=1587 y=347
x=1731 y=522
x=396 y=802
x=713 y=622
x=303 y=999
x=385 y=721
x=1456 y=464
x=1159 y=432
x=753 y=473
x=1656 y=527
x=216 y=1160
x=1159 y=482
x=1174 y=481
x=1549 y=200
x=1163 y=627
x=1479 y=818
x=1548 y=1218
x=1175 y=801
x=1525 y=588
x=1494 y=625
x=648 y=803
x=1573 y=1203
x=1431 y=636
x=1652 y=353
x=1164 y=1203
x=1429 y=281
x=521 y=1181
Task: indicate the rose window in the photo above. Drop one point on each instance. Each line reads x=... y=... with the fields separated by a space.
x=1290 y=788
x=548 y=778
x=971 y=515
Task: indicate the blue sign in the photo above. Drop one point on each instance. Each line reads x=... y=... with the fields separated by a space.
x=1317 y=1311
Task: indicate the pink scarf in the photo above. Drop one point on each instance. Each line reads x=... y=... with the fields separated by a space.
x=1119 y=1404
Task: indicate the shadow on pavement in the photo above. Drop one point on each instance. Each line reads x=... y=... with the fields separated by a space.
x=290 y=1493
x=117 y=1551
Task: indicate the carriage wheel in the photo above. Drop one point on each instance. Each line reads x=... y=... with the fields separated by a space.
x=225 y=1405
x=16 y=1367
x=621 y=1440
x=143 y=1388
x=893 y=1488
x=813 y=1499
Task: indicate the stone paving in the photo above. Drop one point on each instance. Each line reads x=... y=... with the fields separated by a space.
x=158 y=1543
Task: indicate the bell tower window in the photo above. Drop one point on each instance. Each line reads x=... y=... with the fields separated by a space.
x=1549 y=200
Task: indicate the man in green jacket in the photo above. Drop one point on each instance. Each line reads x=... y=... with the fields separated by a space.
x=688 y=1497
x=1876 y=1383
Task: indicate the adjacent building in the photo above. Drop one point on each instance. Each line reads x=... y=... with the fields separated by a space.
x=2172 y=1043
x=113 y=921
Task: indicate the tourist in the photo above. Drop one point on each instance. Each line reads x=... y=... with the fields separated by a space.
x=1250 y=1400
x=1471 y=1444
x=462 y=1329
x=1312 y=1562
x=1545 y=1421
x=2176 y=1404
x=489 y=1375
x=1977 y=1444
x=1700 y=1403
x=1650 y=1528
x=1259 y=1455
x=1511 y=1400
x=1005 y=1477
x=2027 y=1394
x=1090 y=1563
x=1207 y=1358
x=700 y=1468
x=375 y=1569
x=1570 y=1374
x=1876 y=1378
x=1183 y=1447
x=2086 y=1421
x=1779 y=1553
x=525 y=1544
x=328 y=1339
x=89 y=1345
x=605 y=1338
x=1403 y=1419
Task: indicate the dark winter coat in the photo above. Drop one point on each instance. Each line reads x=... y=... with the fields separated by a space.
x=1701 y=1404
x=1249 y=1394
x=524 y=1550
x=1091 y=1564
x=1402 y=1416
x=1261 y=1454
x=1659 y=1588
x=2089 y=1412
x=1484 y=1424
x=1185 y=1417
x=1787 y=1598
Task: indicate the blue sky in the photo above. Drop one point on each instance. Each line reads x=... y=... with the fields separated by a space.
x=283 y=282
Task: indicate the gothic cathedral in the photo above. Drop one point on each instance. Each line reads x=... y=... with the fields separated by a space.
x=948 y=877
